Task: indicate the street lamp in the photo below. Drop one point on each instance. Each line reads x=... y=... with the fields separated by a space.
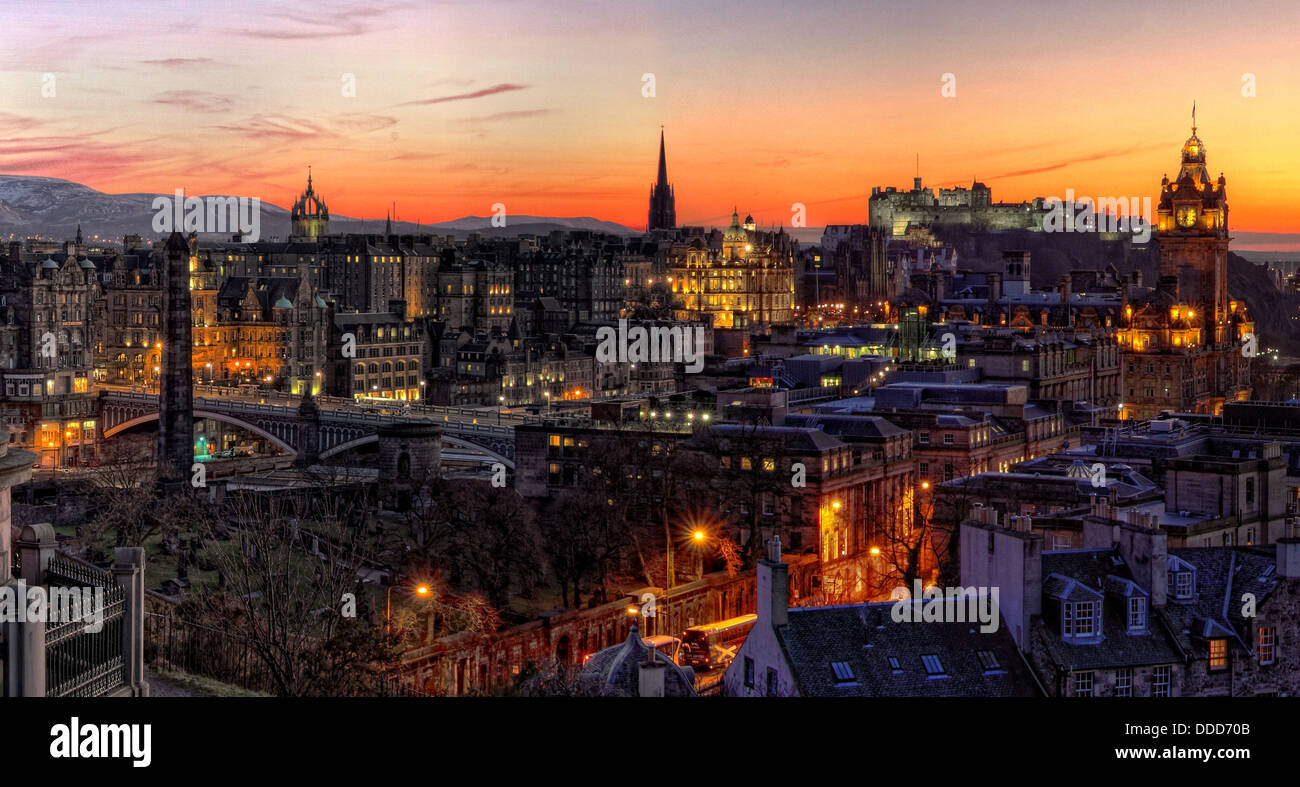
x=422 y=589
x=699 y=540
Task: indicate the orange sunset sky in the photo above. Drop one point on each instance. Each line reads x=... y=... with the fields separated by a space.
x=540 y=105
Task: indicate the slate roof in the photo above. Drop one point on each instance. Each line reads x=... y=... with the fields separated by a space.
x=619 y=666
x=1223 y=575
x=1067 y=574
x=848 y=426
x=862 y=638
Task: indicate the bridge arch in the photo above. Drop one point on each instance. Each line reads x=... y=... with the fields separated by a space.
x=446 y=440
x=147 y=417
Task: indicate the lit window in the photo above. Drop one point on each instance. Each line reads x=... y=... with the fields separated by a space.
x=1218 y=654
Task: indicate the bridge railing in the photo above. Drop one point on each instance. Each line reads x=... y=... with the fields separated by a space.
x=277 y=402
x=457 y=419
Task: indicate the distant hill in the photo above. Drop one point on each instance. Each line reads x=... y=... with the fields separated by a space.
x=53 y=208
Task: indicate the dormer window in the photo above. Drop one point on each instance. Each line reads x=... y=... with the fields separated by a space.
x=1137 y=614
x=1182 y=579
x=1082 y=619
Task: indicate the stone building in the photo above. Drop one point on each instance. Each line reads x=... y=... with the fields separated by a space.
x=377 y=355
x=269 y=331
x=860 y=650
x=1125 y=616
x=1186 y=344
x=47 y=349
x=746 y=281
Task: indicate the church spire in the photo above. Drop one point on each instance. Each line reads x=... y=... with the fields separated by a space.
x=663 y=161
x=663 y=209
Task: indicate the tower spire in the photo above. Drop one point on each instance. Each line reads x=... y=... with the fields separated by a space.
x=663 y=160
x=1193 y=117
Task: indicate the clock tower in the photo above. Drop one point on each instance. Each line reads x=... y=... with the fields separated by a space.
x=1192 y=226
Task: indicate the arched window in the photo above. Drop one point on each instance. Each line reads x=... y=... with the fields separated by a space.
x=404 y=466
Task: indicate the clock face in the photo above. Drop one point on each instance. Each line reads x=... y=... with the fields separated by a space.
x=1186 y=217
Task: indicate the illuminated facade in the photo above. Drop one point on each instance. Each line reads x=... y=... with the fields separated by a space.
x=47 y=341
x=748 y=281
x=309 y=217
x=1183 y=341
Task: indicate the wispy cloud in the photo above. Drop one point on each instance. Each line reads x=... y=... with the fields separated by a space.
x=279 y=128
x=359 y=123
x=1062 y=164
x=345 y=21
x=177 y=62
x=517 y=114
x=504 y=87
x=194 y=100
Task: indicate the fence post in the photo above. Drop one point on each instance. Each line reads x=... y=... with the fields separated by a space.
x=25 y=662
x=128 y=572
x=36 y=546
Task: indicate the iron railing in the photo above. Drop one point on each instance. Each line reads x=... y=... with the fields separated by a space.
x=83 y=656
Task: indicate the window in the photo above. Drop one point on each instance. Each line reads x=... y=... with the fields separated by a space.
x=947 y=438
x=749 y=672
x=987 y=660
x=1218 y=654
x=1250 y=491
x=771 y=682
x=1124 y=682
x=843 y=672
x=1083 y=684
x=924 y=469
x=894 y=665
x=1137 y=614
x=1081 y=618
x=1267 y=644
x=932 y=664
x=923 y=438
x=1024 y=365
x=1160 y=681
x=1183 y=584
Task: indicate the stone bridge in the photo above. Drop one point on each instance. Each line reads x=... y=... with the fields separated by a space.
x=342 y=427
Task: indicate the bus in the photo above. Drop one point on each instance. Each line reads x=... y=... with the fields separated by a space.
x=715 y=644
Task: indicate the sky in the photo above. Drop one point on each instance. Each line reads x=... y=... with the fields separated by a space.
x=545 y=107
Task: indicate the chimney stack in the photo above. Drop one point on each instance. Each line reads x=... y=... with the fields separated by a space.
x=773 y=584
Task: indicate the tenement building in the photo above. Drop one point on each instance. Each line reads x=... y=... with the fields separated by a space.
x=47 y=343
